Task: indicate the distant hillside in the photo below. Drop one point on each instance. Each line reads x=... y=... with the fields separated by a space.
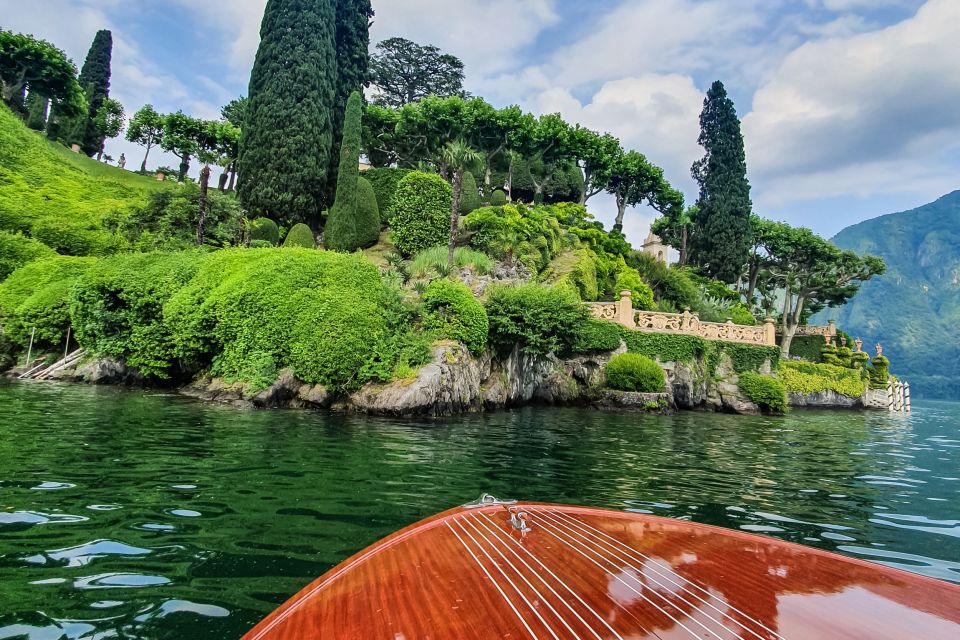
x=913 y=310
x=65 y=200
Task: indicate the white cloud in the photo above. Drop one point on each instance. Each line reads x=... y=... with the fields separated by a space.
x=868 y=113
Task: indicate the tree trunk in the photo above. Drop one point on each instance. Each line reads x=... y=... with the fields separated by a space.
x=222 y=181
x=586 y=185
x=143 y=165
x=683 y=246
x=454 y=217
x=233 y=175
x=621 y=211
x=785 y=329
x=202 y=217
x=487 y=191
x=510 y=182
x=184 y=167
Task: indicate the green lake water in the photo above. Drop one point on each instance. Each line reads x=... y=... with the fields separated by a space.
x=138 y=514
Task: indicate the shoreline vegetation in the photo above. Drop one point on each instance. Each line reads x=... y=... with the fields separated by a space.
x=425 y=252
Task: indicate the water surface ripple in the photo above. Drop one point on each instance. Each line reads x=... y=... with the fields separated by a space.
x=144 y=515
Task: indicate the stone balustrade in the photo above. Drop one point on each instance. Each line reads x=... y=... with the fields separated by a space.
x=813 y=330
x=685 y=323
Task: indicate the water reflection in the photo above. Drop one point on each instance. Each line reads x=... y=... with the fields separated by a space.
x=237 y=511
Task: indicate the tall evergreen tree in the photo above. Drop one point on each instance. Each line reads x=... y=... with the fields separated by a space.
x=341 y=232
x=95 y=81
x=353 y=63
x=720 y=241
x=285 y=145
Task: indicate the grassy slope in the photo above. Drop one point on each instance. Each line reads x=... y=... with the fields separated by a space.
x=914 y=309
x=61 y=198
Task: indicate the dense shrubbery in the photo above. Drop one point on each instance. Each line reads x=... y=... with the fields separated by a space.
x=633 y=372
x=453 y=312
x=767 y=392
x=300 y=236
x=596 y=336
x=537 y=319
x=629 y=280
x=534 y=236
x=672 y=288
x=420 y=212
x=384 y=182
x=806 y=347
x=583 y=274
x=17 y=250
x=169 y=220
x=116 y=307
x=809 y=377
x=36 y=295
x=264 y=229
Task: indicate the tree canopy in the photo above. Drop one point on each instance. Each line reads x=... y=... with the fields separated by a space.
x=27 y=63
x=403 y=72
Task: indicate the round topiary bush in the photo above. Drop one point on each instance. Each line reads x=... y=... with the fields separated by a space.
x=421 y=212
x=633 y=372
x=300 y=236
x=454 y=313
x=469 y=194
x=498 y=198
x=385 y=182
x=264 y=229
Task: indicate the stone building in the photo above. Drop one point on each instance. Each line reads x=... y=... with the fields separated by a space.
x=654 y=246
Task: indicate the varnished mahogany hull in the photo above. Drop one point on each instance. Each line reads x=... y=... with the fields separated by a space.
x=592 y=573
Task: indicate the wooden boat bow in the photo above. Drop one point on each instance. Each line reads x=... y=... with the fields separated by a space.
x=501 y=569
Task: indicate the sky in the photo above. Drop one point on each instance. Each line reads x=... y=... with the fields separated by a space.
x=849 y=108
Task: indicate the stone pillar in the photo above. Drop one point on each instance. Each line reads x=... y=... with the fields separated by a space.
x=832 y=327
x=625 y=310
x=770 y=331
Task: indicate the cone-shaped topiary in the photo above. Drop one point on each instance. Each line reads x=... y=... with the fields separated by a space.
x=421 y=212
x=470 y=195
x=300 y=236
x=368 y=213
x=498 y=198
x=264 y=229
x=342 y=232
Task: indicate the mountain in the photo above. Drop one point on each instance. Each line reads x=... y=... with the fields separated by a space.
x=914 y=309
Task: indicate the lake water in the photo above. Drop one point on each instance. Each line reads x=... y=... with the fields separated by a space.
x=133 y=514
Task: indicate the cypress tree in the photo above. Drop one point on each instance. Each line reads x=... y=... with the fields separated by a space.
x=368 y=213
x=95 y=80
x=285 y=144
x=353 y=61
x=470 y=199
x=720 y=241
x=341 y=233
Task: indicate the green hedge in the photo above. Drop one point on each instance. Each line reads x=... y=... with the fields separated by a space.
x=36 y=295
x=454 y=313
x=628 y=279
x=421 y=212
x=264 y=229
x=301 y=236
x=116 y=307
x=537 y=319
x=633 y=372
x=384 y=182
x=596 y=336
x=17 y=250
x=806 y=347
x=680 y=348
x=809 y=377
x=765 y=391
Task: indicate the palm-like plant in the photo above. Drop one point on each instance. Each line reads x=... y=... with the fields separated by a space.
x=459 y=157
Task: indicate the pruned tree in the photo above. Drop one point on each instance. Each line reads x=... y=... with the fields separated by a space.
x=29 y=63
x=595 y=155
x=235 y=113
x=287 y=134
x=341 y=233
x=403 y=72
x=721 y=232
x=107 y=123
x=180 y=135
x=673 y=227
x=145 y=129
x=633 y=179
x=459 y=157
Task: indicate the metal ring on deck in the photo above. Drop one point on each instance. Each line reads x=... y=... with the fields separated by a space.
x=487 y=500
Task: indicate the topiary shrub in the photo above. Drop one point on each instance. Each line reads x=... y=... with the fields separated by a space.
x=469 y=194
x=421 y=212
x=264 y=229
x=385 y=182
x=342 y=231
x=880 y=373
x=454 y=313
x=535 y=318
x=36 y=295
x=300 y=236
x=596 y=336
x=17 y=250
x=368 y=214
x=633 y=372
x=766 y=392
x=498 y=198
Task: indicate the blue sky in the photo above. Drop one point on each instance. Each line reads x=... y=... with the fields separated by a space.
x=849 y=107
